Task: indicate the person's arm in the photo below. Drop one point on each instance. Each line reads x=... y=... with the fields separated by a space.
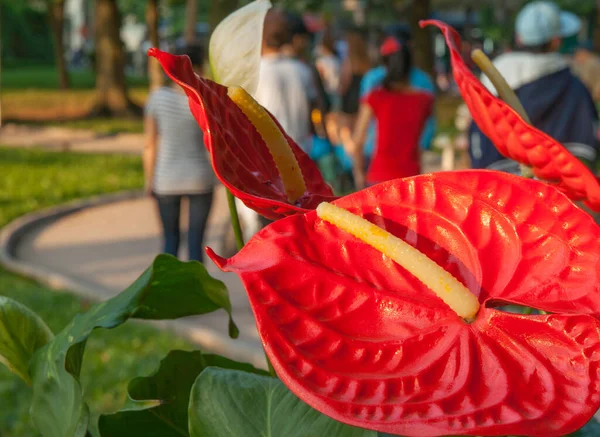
x=149 y=155
x=355 y=143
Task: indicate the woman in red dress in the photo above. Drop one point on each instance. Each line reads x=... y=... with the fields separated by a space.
x=400 y=113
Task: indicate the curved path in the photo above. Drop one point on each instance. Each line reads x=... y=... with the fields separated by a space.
x=98 y=251
x=106 y=247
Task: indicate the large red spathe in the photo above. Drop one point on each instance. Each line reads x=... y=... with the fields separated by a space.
x=357 y=337
x=515 y=138
x=239 y=155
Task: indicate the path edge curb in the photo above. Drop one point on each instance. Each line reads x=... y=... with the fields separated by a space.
x=12 y=234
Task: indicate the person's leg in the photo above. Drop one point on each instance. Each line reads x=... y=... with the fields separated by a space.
x=169 y=211
x=200 y=205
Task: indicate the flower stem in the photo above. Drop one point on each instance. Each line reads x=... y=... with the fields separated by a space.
x=235 y=220
x=505 y=92
x=239 y=241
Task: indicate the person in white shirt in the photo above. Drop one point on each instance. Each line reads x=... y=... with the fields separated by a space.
x=285 y=85
x=329 y=65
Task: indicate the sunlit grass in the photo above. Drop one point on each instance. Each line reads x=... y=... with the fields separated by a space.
x=45 y=77
x=99 y=125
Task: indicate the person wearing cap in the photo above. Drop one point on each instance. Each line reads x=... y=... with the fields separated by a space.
x=400 y=112
x=417 y=79
x=556 y=101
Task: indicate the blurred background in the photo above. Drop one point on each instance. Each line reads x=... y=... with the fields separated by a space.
x=82 y=63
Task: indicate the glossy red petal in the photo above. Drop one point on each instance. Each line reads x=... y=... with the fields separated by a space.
x=516 y=139
x=361 y=340
x=240 y=157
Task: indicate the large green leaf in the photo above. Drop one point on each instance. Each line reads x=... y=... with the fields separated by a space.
x=167 y=391
x=227 y=403
x=22 y=332
x=166 y=290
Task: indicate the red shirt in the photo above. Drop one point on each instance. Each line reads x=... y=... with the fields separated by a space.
x=401 y=117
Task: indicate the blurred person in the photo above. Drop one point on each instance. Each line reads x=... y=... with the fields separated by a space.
x=298 y=46
x=400 y=111
x=285 y=85
x=300 y=38
x=176 y=164
x=328 y=70
x=355 y=65
x=585 y=64
x=417 y=79
x=329 y=66
x=555 y=100
x=300 y=41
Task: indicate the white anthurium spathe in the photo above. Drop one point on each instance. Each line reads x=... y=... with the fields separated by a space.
x=235 y=46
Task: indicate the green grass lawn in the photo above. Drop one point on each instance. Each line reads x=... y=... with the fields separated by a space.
x=99 y=125
x=34 y=179
x=106 y=126
x=45 y=77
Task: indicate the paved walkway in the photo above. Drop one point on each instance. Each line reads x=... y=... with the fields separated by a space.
x=63 y=139
x=106 y=247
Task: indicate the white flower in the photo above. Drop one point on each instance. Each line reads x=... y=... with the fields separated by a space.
x=235 y=46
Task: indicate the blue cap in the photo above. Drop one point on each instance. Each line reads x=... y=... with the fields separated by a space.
x=539 y=22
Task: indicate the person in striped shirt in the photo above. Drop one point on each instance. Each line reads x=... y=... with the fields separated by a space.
x=176 y=164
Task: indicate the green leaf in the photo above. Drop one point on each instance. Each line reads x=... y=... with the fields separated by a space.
x=168 y=289
x=235 y=46
x=167 y=392
x=227 y=403
x=22 y=332
x=183 y=289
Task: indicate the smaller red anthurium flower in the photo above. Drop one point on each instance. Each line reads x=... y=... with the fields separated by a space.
x=381 y=309
x=241 y=158
x=515 y=138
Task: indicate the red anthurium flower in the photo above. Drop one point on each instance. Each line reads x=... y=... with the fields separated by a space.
x=515 y=138
x=240 y=157
x=360 y=339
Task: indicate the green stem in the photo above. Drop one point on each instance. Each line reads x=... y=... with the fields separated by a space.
x=239 y=241
x=235 y=221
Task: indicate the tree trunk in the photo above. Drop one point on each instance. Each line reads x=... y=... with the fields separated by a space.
x=154 y=70
x=111 y=90
x=191 y=13
x=423 y=44
x=219 y=9
x=56 y=14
